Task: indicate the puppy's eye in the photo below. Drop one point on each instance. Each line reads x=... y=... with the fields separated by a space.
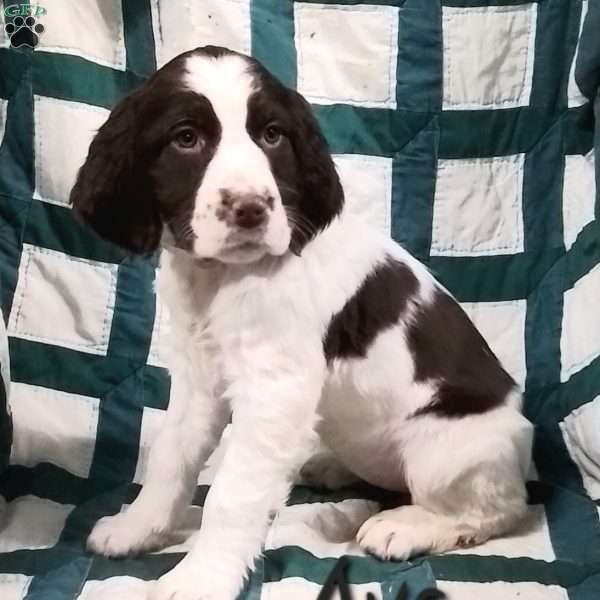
x=186 y=138
x=272 y=135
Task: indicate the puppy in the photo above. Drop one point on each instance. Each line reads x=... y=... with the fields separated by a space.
x=302 y=321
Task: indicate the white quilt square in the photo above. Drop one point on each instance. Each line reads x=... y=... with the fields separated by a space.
x=501 y=590
x=33 y=523
x=14 y=586
x=574 y=95
x=297 y=588
x=180 y=25
x=502 y=324
x=367 y=183
x=347 y=54
x=152 y=421
x=488 y=56
x=579 y=194
x=580 y=432
x=478 y=206
x=87 y=28
x=63 y=300
x=580 y=335
x=63 y=132
x=42 y=433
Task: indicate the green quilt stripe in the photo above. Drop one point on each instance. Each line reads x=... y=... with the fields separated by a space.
x=493 y=278
x=464 y=133
x=413 y=189
x=552 y=404
x=62 y=584
x=80 y=373
x=588 y=588
x=419 y=62
x=542 y=336
x=79 y=80
x=485 y=133
x=149 y=567
x=54 y=227
x=583 y=256
x=557 y=22
x=16 y=175
x=272 y=26
x=119 y=425
x=358 y=130
x=542 y=196
x=579 y=130
x=139 y=37
x=48 y=481
x=13 y=65
x=36 y=562
x=292 y=561
x=16 y=152
x=13 y=215
x=482 y=569
x=131 y=331
x=416 y=580
x=542 y=216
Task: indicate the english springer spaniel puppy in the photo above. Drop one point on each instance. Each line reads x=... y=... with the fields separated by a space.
x=301 y=320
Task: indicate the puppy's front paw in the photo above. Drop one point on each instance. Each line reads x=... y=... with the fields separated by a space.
x=123 y=534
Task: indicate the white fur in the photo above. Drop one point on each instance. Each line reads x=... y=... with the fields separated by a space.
x=238 y=166
x=249 y=338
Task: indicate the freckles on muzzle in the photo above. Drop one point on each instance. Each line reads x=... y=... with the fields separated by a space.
x=246 y=211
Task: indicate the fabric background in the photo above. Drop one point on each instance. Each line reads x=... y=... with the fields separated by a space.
x=464 y=128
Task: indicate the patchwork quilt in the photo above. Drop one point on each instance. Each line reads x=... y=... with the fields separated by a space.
x=463 y=128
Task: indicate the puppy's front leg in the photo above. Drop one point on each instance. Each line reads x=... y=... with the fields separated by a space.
x=272 y=430
x=194 y=423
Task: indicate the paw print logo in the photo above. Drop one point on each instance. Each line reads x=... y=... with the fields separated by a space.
x=24 y=32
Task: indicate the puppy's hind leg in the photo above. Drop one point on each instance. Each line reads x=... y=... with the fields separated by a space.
x=465 y=491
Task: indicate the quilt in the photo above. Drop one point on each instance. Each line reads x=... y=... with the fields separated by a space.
x=466 y=129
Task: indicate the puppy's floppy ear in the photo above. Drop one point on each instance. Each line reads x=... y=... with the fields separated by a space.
x=322 y=197
x=112 y=192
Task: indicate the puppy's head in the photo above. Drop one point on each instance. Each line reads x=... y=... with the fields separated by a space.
x=213 y=155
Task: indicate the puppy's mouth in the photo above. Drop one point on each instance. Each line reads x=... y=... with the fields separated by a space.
x=244 y=246
x=241 y=240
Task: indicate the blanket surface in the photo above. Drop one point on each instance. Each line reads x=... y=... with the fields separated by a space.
x=463 y=128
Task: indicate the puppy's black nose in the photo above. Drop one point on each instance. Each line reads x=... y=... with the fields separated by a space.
x=249 y=214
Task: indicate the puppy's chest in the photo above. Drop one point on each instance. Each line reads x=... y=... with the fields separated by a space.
x=254 y=312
